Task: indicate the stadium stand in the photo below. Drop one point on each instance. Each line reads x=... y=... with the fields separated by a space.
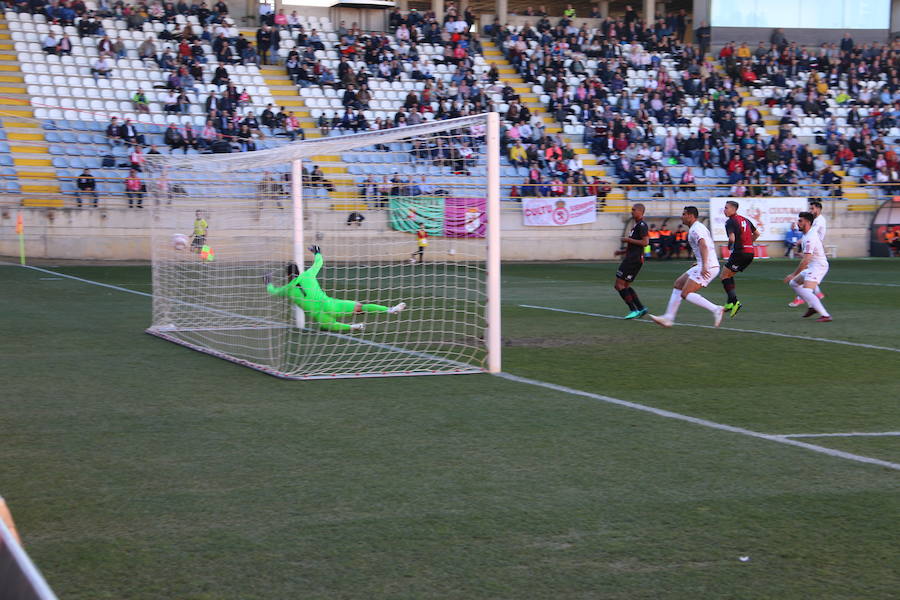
x=779 y=120
x=608 y=107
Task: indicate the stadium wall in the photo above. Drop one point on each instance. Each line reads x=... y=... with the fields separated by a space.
x=123 y=234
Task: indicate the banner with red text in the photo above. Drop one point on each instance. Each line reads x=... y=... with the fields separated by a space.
x=557 y=212
x=772 y=216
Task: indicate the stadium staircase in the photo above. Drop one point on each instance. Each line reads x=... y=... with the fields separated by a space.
x=286 y=94
x=31 y=158
x=508 y=76
x=858 y=197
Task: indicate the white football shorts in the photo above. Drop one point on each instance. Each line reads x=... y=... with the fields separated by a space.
x=694 y=274
x=814 y=273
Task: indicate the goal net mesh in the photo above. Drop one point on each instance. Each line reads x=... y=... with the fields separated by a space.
x=225 y=223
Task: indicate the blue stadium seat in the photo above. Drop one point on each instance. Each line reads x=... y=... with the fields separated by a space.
x=6 y=160
x=60 y=162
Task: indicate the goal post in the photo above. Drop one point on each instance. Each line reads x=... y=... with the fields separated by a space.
x=408 y=278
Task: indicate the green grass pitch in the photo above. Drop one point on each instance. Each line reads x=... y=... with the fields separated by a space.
x=136 y=468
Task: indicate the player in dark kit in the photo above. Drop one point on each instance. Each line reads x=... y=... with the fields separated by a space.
x=741 y=235
x=634 y=260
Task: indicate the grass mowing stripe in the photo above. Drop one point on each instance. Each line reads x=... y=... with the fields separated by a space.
x=703 y=422
x=850 y=434
x=757 y=331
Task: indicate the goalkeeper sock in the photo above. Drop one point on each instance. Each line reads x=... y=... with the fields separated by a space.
x=374 y=308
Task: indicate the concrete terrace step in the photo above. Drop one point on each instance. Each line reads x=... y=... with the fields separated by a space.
x=32 y=162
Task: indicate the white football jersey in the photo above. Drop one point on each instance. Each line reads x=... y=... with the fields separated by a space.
x=811 y=244
x=820 y=227
x=699 y=235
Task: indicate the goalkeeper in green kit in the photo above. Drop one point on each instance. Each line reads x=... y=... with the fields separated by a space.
x=306 y=293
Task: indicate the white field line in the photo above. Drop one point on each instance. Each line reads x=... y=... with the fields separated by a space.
x=848 y=434
x=780 y=439
x=756 y=331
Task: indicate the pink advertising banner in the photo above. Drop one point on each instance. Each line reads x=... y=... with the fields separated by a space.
x=465 y=217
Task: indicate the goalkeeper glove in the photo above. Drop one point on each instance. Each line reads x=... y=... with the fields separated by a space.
x=315 y=249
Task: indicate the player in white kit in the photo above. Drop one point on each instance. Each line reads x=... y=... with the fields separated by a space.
x=811 y=270
x=820 y=228
x=698 y=276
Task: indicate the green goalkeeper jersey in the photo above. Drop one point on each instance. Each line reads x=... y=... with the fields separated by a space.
x=304 y=289
x=305 y=292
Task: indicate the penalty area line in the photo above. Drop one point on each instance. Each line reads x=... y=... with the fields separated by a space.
x=780 y=439
x=756 y=331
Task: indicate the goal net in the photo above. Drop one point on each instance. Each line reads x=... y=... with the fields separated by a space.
x=407 y=279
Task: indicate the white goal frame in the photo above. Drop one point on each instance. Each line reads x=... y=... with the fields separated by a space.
x=297 y=155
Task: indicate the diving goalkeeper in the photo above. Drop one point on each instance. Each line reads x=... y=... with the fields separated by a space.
x=304 y=290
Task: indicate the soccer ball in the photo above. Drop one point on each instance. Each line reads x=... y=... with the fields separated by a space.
x=180 y=241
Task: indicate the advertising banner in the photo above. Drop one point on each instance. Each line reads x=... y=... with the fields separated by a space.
x=447 y=217
x=559 y=212
x=771 y=215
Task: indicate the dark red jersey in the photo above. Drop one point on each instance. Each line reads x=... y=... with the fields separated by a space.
x=743 y=230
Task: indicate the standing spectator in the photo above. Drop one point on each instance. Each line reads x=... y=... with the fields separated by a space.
x=264 y=43
x=703 y=35
x=137 y=158
x=88 y=185
x=134 y=190
x=268 y=189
